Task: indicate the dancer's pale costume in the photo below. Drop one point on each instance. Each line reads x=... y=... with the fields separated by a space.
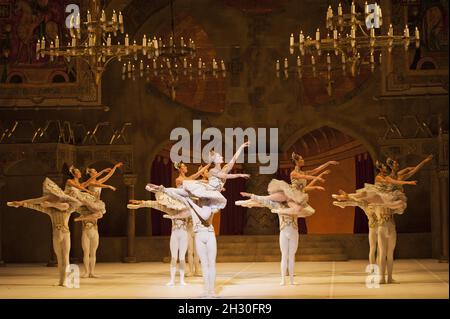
x=90 y=239
x=211 y=201
x=90 y=203
x=179 y=234
x=193 y=258
x=381 y=220
x=53 y=199
x=292 y=205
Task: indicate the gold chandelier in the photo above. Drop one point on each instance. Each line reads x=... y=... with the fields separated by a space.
x=92 y=41
x=173 y=61
x=353 y=40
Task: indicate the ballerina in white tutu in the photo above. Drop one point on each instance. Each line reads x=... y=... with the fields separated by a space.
x=89 y=236
x=179 y=237
x=289 y=201
x=210 y=201
x=92 y=207
x=58 y=206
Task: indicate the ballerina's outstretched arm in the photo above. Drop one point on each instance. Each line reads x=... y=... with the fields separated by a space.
x=308 y=177
x=321 y=168
x=101 y=185
x=79 y=186
x=110 y=173
x=227 y=168
x=311 y=185
x=408 y=172
x=393 y=181
x=94 y=177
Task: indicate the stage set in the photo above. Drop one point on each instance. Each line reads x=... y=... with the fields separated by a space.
x=224 y=149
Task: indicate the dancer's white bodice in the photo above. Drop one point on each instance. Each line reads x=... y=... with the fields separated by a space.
x=179 y=224
x=215 y=182
x=288 y=220
x=298 y=183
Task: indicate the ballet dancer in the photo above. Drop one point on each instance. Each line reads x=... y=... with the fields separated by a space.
x=89 y=235
x=58 y=206
x=289 y=201
x=387 y=233
x=179 y=237
x=210 y=201
x=93 y=207
x=379 y=201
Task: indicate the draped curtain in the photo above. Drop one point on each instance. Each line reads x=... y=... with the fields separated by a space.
x=364 y=174
x=232 y=217
x=161 y=174
x=284 y=174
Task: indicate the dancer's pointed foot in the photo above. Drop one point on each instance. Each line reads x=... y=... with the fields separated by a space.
x=154 y=188
x=339 y=204
x=14 y=204
x=133 y=206
x=170 y=283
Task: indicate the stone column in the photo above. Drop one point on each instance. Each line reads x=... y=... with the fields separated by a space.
x=2 y=183
x=130 y=181
x=259 y=221
x=443 y=194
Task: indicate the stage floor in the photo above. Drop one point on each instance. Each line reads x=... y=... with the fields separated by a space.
x=424 y=278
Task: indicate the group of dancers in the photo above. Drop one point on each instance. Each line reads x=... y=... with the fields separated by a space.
x=191 y=206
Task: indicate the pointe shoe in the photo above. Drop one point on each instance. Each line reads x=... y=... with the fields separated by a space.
x=13 y=204
x=170 y=283
x=133 y=206
x=339 y=204
x=183 y=283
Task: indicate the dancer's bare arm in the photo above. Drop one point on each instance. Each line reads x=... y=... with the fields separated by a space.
x=110 y=173
x=298 y=175
x=317 y=179
x=94 y=177
x=227 y=168
x=101 y=185
x=199 y=173
x=410 y=171
x=390 y=180
x=321 y=167
x=79 y=186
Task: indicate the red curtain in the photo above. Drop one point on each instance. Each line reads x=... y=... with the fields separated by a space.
x=161 y=174
x=284 y=174
x=364 y=174
x=232 y=217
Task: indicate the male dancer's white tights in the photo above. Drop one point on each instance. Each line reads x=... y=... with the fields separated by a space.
x=206 y=245
x=178 y=248
x=288 y=246
x=89 y=243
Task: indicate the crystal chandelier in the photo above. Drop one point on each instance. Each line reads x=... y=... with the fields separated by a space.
x=174 y=61
x=353 y=40
x=92 y=41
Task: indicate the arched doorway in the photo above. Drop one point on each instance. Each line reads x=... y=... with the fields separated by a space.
x=355 y=168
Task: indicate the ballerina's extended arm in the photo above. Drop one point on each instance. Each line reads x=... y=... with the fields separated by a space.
x=408 y=172
x=227 y=168
x=79 y=186
x=199 y=173
x=390 y=180
x=321 y=168
x=110 y=173
x=308 y=177
x=94 y=177
x=101 y=185
x=311 y=185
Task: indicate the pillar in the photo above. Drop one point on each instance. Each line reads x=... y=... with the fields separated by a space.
x=130 y=181
x=443 y=194
x=259 y=221
x=2 y=183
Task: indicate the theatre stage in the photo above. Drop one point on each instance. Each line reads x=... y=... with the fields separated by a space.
x=424 y=278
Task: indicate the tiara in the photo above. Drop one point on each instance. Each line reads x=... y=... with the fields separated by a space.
x=177 y=165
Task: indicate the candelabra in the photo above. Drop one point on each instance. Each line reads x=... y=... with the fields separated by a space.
x=92 y=41
x=355 y=41
x=172 y=63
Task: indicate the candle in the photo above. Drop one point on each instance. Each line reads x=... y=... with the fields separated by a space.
x=199 y=65
x=366 y=8
x=313 y=60
x=184 y=63
x=406 y=31
x=372 y=60
x=353 y=32
x=335 y=34
x=416 y=33
x=144 y=41
x=124 y=68
x=108 y=40
x=328 y=58
x=301 y=38
x=129 y=66
x=291 y=40
x=299 y=61
x=181 y=42
x=154 y=64
x=88 y=16
x=38 y=46
x=318 y=35
x=103 y=17
x=114 y=16
x=353 y=8
x=141 y=65
x=339 y=9
x=286 y=65
x=120 y=18
x=329 y=13
x=277 y=65
x=127 y=40
x=57 y=41
x=222 y=65
x=391 y=31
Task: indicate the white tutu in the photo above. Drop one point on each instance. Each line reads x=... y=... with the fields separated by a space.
x=381 y=195
x=208 y=194
x=90 y=203
x=49 y=188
